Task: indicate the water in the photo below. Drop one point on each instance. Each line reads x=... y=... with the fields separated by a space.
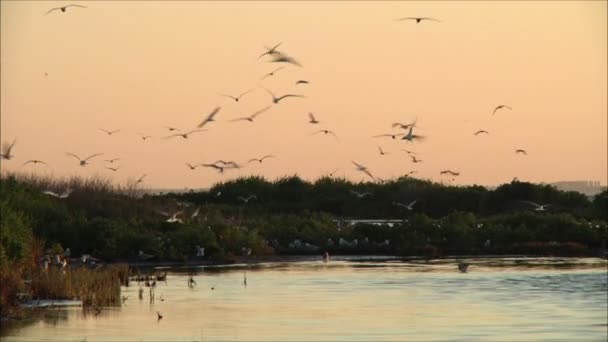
x=507 y=299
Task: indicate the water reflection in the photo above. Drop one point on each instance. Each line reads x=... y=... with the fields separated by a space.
x=356 y=299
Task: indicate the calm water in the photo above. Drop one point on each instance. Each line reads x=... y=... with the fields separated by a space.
x=349 y=299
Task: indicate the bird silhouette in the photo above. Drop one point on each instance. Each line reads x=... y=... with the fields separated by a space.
x=499 y=107
x=193 y=167
x=140 y=179
x=408 y=151
x=271 y=51
x=144 y=137
x=112 y=168
x=184 y=135
x=34 y=161
x=387 y=135
x=171 y=129
x=312 y=119
x=84 y=162
x=449 y=172
x=251 y=117
x=302 y=82
x=218 y=168
x=364 y=169
x=271 y=73
x=418 y=19
x=481 y=132
x=404 y=125
x=381 y=151
x=415 y=160
x=520 y=151
x=210 y=117
x=410 y=136
x=261 y=159
x=159 y=316
x=360 y=194
x=406 y=206
x=109 y=132
x=237 y=98
x=276 y=100
x=111 y=161
x=63 y=8
x=325 y=131
x=283 y=58
x=6 y=150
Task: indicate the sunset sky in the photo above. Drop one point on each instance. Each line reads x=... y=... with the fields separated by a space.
x=139 y=66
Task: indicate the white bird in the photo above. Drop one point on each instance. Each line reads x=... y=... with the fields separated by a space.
x=84 y=162
x=418 y=19
x=501 y=107
x=6 y=150
x=64 y=194
x=271 y=73
x=247 y=199
x=538 y=207
x=252 y=116
x=406 y=206
x=64 y=8
x=210 y=117
x=261 y=159
x=271 y=51
x=276 y=100
x=363 y=169
x=109 y=132
x=184 y=135
x=360 y=194
x=312 y=119
x=195 y=213
x=237 y=98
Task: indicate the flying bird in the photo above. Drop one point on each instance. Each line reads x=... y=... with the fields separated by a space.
x=418 y=19
x=501 y=107
x=112 y=160
x=520 y=151
x=410 y=136
x=64 y=194
x=331 y=174
x=312 y=119
x=360 y=194
x=410 y=173
x=171 y=129
x=415 y=160
x=210 y=117
x=64 y=8
x=144 y=137
x=271 y=73
x=218 y=168
x=270 y=51
x=302 y=82
x=174 y=218
x=283 y=58
x=538 y=207
x=228 y=164
x=159 y=316
x=381 y=151
x=387 y=135
x=6 y=150
x=193 y=167
x=406 y=206
x=184 y=135
x=252 y=116
x=109 y=132
x=112 y=168
x=481 y=132
x=449 y=172
x=141 y=179
x=408 y=151
x=84 y=162
x=34 y=161
x=404 y=125
x=364 y=169
x=277 y=99
x=247 y=199
x=261 y=159
x=325 y=131
x=237 y=98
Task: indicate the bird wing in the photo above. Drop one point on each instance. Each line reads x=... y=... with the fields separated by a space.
x=230 y=96
x=368 y=173
x=267 y=156
x=260 y=112
x=301 y=82
x=172 y=128
x=536 y=205
x=269 y=92
x=246 y=118
x=429 y=18
x=114 y=131
x=210 y=116
x=359 y=166
x=334 y=134
x=196 y=130
x=104 y=130
x=74 y=5
x=383 y=135
x=93 y=155
x=49 y=192
x=412 y=203
x=312 y=117
x=52 y=9
x=252 y=160
x=245 y=92
x=73 y=155
x=289 y=95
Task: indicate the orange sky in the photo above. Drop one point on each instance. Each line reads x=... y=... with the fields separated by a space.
x=138 y=66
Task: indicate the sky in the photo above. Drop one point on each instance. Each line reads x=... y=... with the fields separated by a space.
x=140 y=66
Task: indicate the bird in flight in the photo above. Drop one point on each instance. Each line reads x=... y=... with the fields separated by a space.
x=140 y=179
x=223 y=165
x=283 y=58
x=210 y=117
x=271 y=73
x=271 y=51
x=184 y=135
x=159 y=316
x=312 y=119
x=64 y=8
x=520 y=151
x=449 y=172
x=64 y=194
x=84 y=162
x=481 y=132
x=408 y=151
x=387 y=135
x=174 y=218
x=406 y=206
x=418 y=19
x=499 y=107
x=261 y=159
x=325 y=131
x=410 y=173
x=6 y=150
x=538 y=207
x=302 y=82
x=381 y=151
x=34 y=161
x=404 y=125
x=193 y=167
x=109 y=132
x=144 y=137
x=252 y=116
x=112 y=168
x=237 y=98
x=228 y=164
x=331 y=174
x=171 y=129
x=360 y=194
x=410 y=136
x=247 y=199
x=415 y=160
x=277 y=99
x=362 y=168
x=111 y=161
